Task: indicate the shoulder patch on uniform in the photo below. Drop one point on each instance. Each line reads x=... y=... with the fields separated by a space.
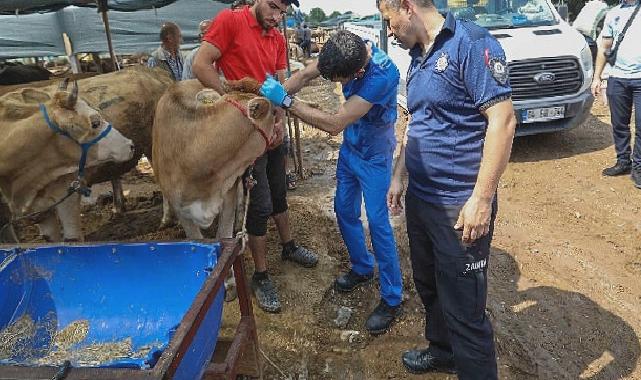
x=441 y=63
x=498 y=68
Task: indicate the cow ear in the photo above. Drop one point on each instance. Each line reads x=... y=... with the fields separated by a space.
x=258 y=108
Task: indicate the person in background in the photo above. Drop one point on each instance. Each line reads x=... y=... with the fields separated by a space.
x=168 y=56
x=189 y=60
x=623 y=86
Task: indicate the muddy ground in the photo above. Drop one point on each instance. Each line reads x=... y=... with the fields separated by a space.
x=565 y=294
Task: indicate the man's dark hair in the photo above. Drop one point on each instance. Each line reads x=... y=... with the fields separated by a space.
x=168 y=29
x=342 y=55
x=396 y=4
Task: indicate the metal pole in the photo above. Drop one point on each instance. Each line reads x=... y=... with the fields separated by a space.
x=299 y=149
x=383 y=36
x=102 y=9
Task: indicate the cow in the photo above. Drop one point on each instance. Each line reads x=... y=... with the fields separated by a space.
x=202 y=145
x=17 y=73
x=128 y=100
x=40 y=144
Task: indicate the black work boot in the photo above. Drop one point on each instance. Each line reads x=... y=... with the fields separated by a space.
x=299 y=255
x=347 y=282
x=620 y=168
x=381 y=318
x=423 y=361
x=636 y=178
x=265 y=292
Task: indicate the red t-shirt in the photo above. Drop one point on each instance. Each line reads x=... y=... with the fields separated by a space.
x=246 y=50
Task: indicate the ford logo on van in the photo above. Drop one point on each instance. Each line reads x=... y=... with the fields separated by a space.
x=544 y=78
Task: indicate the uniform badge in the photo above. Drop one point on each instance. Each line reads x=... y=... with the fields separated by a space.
x=441 y=63
x=498 y=68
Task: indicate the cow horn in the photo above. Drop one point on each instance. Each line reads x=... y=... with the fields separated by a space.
x=64 y=84
x=73 y=97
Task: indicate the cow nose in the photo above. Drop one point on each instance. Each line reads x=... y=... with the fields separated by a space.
x=95 y=124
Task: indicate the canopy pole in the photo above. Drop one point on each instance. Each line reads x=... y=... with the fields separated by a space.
x=102 y=8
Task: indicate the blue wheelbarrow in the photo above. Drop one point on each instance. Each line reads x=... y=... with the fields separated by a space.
x=120 y=311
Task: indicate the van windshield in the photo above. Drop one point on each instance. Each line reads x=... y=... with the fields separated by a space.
x=500 y=14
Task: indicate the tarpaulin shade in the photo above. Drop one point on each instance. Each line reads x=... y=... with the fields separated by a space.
x=30 y=6
x=37 y=35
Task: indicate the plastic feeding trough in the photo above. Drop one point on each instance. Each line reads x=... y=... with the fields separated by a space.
x=127 y=311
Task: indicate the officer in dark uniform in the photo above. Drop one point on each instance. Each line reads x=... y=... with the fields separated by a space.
x=458 y=145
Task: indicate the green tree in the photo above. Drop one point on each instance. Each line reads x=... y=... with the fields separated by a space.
x=335 y=14
x=317 y=15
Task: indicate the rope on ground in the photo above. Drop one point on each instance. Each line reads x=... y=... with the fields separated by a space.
x=273 y=364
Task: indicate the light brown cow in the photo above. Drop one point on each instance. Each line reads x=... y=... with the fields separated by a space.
x=202 y=144
x=128 y=100
x=35 y=154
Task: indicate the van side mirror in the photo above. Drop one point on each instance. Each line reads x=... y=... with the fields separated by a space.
x=563 y=11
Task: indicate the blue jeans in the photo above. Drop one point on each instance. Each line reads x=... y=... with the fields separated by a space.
x=357 y=178
x=622 y=94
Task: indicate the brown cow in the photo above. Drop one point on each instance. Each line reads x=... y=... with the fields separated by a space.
x=35 y=153
x=128 y=100
x=202 y=144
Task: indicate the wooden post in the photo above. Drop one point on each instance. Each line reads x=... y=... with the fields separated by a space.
x=299 y=150
x=102 y=8
x=73 y=60
x=292 y=146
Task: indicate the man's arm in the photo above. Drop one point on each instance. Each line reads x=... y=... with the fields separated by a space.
x=301 y=78
x=397 y=187
x=605 y=43
x=204 y=69
x=475 y=216
x=353 y=109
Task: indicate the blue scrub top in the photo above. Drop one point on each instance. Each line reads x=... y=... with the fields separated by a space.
x=373 y=134
x=464 y=73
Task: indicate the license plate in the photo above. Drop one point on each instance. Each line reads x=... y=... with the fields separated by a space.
x=542 y=114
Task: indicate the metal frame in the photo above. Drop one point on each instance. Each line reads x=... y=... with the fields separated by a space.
x=232 y=255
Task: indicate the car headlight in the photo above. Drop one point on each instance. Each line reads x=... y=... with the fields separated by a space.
x=586 y=58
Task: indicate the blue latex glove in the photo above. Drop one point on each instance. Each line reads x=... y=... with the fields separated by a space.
x=273 y=90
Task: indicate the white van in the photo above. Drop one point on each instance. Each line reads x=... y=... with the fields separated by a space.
x=549 y=62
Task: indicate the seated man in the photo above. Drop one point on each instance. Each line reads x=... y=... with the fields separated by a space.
x=370 y=80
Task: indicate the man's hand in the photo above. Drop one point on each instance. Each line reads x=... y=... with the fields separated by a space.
x=395 y=195
x=474 y=219
x=279 y=128
x=596 y=87
x=273 y=90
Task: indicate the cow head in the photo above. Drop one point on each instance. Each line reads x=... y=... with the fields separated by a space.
x=84 y=124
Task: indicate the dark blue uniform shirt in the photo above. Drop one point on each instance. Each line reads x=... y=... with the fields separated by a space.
x=464 y=73
x=373 y=134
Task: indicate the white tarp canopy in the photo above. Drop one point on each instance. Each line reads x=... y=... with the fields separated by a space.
x=38 y=35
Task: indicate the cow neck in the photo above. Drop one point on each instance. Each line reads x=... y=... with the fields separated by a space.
x=242 y=109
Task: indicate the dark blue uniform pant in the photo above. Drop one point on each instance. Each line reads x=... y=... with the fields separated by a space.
x=357 y=178
x=451 y=280
x=622 y=94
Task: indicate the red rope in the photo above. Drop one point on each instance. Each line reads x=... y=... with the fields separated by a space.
x=242 y=109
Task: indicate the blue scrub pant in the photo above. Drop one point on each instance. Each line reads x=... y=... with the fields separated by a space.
x=357 y=178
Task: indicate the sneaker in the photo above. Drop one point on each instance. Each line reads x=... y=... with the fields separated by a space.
x=300 y=255
x=424 y=361
x=347 y=282
x=266 y=294
x=381 y=318
x=620 y=168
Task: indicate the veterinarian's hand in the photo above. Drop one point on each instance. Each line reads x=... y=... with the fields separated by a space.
x=274 y=91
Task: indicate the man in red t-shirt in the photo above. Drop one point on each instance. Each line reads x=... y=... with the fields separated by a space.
x=246 y=43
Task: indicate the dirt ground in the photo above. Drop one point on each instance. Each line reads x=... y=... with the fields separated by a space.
x=565 y=295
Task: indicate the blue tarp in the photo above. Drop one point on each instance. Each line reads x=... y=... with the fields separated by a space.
x=38 y=35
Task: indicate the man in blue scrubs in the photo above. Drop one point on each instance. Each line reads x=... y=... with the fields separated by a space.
x=458 y=145
x=370 y=80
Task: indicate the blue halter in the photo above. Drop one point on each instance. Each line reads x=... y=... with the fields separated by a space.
x=83 y=146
